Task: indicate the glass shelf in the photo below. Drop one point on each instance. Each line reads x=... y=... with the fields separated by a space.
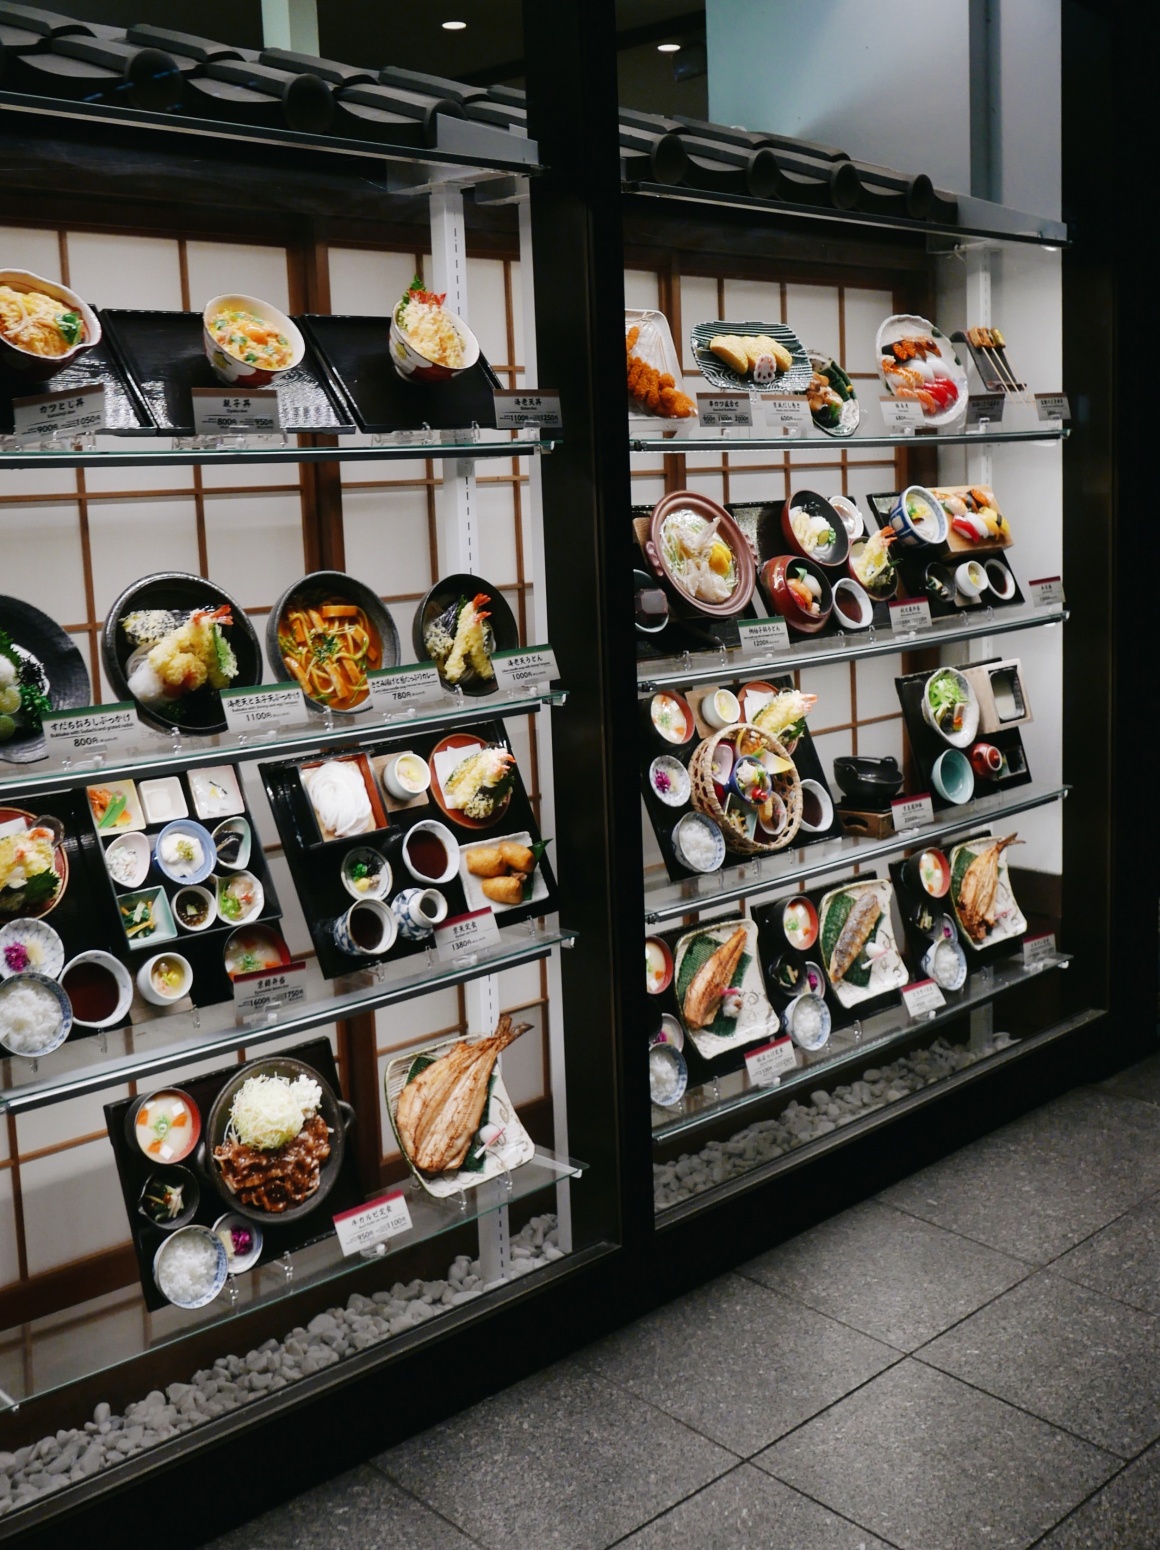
x=138 y=453
x=60 y=1349
x=158 y=754
x=977 y=218
x=97 y=1062
x=743 y=441
x=733 y=1092
x=665 y=900
x=665 y=672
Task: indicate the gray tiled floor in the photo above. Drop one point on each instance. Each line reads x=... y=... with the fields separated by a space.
x=971 y=1359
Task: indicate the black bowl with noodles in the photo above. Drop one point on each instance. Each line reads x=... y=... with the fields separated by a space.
x=45 y=666
x=337 y=1115
x=335 y=587
x=501 y=633
x=177 y=592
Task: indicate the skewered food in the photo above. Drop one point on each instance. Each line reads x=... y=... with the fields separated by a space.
x=979 y=889
x=441 y=1107
x=712 y=980
x=654 y=391
x=461 y=642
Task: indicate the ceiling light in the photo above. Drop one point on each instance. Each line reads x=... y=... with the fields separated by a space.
x=668 y=48
x=454 y=26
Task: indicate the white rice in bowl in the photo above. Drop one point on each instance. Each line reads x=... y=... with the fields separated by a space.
x=190 y=1267
x=31 y=1019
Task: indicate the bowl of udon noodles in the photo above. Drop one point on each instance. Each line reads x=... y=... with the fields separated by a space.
x=249 y=343
x=43 y=325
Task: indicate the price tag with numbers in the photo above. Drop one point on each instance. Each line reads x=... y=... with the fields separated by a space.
x=80 y=412
x=462 y=936
x=528 y=665
x=1039 y=950
x=264 y=708
x=767 y=1064
x=400 y=688
x=724 y=409
x=985 y=408
x=909 y=812
x=363 y=1227
x=268 y=990
x=234 y=414
x=901 y=415
x=93 y=732
x=909 y=614
x=922 y=997
x=516 y=408
x=1052 y=406
x=1047 y=592
x=761 y=635
x=788 y=413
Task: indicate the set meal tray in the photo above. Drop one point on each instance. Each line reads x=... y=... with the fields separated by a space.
x=125 y=411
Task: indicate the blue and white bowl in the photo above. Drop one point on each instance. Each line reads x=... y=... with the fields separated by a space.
x=668 y=1074
x=195 y=831
x=210 y=1289
x=11 y=985
x=918 y=531
x=808 y=1020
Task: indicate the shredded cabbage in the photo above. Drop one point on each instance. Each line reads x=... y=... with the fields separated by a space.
x=269 y=1111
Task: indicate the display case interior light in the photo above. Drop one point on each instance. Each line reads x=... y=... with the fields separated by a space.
x=454 y=26
x=668 y=48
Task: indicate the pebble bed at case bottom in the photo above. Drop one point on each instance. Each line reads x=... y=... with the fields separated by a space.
x=719 y=1161
x=41 y=1467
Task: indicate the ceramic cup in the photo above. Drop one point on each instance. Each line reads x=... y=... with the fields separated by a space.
x=986 y=760
x=366 y=929
x=446 y=839
x=418 y=911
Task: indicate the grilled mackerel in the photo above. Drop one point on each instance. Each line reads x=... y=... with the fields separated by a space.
x=712 y=980
x=855 y=933
x=440 y=1111
x=980 y=888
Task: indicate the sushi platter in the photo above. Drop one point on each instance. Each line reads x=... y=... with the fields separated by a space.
x=917 y=362
x=968 y=569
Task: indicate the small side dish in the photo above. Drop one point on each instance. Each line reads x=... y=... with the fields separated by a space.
x=215 y=792
x=30 y=945
x=232 y=844
x=406 y=776
x=505 y=869
x=169 y=1199
x=146 y=917
x=668 y=1075
x=799 y=921
x=127 y=860
x=831 y=397
x=167 y=1125
x=669 y=780
x=366 y=874
x=951 y=707
x=185 y=852
x=671 y=718
x=240 y=898
x=165 y=979
x=194 y=908
x=699 y=843
x=163 y=800
x=242 y=1241
x=116 y=807
x=658 y=965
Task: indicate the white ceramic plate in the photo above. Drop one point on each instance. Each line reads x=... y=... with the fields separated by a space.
x=1009 y=918
x=758 y=1020
x=888 y=972
x=473 y=886
x=906 y=325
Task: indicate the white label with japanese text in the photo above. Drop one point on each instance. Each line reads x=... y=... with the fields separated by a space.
x=922 y=997
x=910 y=613
x=530 y=665
x=264 y=708
x=516 y=408
x=1047 y=592
x=901 y=415
x=80 y=412
x=788 y=413
x=763 y=635
x=985 y=408
x=766 y=1064
x=910 y=811
x=1052 y=406
x=264 y=990
x=234 y=414
x=399 y=688
x=362 y=1227
x=724 y=409
x=462 y=936
x=98 y=729
x=1038 y=950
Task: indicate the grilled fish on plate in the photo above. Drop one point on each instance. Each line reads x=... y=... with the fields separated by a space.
x=440 y=1110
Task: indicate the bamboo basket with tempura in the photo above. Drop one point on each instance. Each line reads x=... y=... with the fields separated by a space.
x=746 y=739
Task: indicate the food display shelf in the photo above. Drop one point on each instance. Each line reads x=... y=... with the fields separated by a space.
x=847 y=1046
x=817 y=651
x=60 y=1361
x=978 y=219
x=159 y=755
x=742 y=441
x=136 y=455
x=425 y=166
x=97 y=1062
x=764 y=874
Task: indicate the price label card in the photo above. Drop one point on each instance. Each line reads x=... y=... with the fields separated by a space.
x=788 y=413
x=362 y=1227
x=1038 y=950
x=462 y=936
x=901 y=415
x=263 y=990
x=264 y=708
x=1047 y=592
x=725 y=409
x=761 y=635
x=767 y=1063
x=910 y=811
x=985 y=408
x=529 y=665
x=516 y=408
x=910 y=613
x=98 y=729
x=922 y=997
x=400 y=688
x=1052 y=406
x=234 y=414
x=79 y=412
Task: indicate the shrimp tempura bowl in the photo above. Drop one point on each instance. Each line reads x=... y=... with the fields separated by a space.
x=248 y=342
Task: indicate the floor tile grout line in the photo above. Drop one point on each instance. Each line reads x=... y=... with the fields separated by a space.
x=675 y=1506
x=429 y=1507
x=1098 y=1291
x=643 y=1399
x=1092 y=1494
x=826 y=1506
x=823 y=1313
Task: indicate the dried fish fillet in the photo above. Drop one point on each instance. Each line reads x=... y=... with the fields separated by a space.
x=712 y=980
x=980 y=887
x=854 y=935
x=439 y=1112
